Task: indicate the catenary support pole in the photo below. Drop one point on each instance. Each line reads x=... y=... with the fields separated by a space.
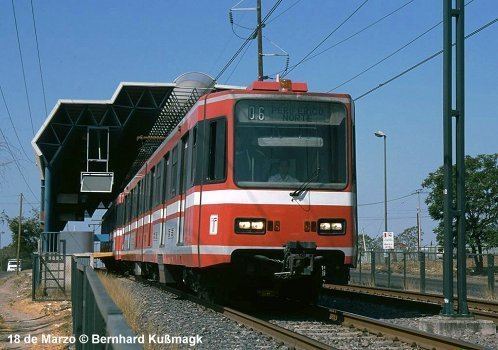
x=447 y=160
x=260 y=42
x=460 y=159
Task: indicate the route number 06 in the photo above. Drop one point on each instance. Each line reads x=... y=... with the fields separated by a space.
x=259 y=114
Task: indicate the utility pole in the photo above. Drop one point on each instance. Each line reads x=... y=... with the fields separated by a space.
x=419 y=228
x=260 y=41
x=384 y=136
x=363 y=235
x=19 y=233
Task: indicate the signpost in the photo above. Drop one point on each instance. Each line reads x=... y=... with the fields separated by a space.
x=388 y=240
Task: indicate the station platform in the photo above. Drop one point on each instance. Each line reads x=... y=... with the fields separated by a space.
x=99 y=255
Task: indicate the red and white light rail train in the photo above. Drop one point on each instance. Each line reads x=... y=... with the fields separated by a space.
x=253 y=190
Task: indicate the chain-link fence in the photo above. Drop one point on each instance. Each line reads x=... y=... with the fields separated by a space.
x=423 y=271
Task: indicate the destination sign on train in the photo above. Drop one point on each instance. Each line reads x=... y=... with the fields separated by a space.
x=268 y=111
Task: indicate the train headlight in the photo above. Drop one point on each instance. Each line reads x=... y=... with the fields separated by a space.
x=257 y=225
x=251 y=226
x=244 y=225
x=336 y=226
x=331 y=226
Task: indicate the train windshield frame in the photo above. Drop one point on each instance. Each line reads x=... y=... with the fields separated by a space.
x=282 y=143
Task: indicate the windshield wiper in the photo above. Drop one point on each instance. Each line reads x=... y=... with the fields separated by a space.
x=305 y=185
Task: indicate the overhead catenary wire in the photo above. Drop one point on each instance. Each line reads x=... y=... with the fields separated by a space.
x=349 y=37
x=18 y=166
x=284 y=11
x=39 y=60
x=22 y=68
x=344 y=21
x=248 y=39
x=12 y=123
x=391 y=200
x=425 y=60
x=238 y=62
x=385 y=58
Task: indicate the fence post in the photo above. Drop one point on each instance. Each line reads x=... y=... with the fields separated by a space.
x=33 y=278
x=372 y=267
x=360 y=267
x=421 y=258
x=491 y=274
x=388 y=269
x=404 y=270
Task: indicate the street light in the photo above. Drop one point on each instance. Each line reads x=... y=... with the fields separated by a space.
x=383 y=135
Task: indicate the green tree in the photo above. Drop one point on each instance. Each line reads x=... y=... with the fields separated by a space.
x=31 y=230
x=407 y=240
x=481 y=211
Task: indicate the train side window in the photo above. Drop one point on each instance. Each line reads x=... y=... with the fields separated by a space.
x=185 y=162
x=132 y=203
x=216 y=154
x=174 y=172
x=193 y=157
x=158 y=183
x=152 y=180
x=166 y=165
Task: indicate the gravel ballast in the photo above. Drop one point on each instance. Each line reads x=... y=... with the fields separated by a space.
x=401 y=316
x=160 y=312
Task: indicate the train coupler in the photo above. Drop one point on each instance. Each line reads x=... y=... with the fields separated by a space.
x=299 y=260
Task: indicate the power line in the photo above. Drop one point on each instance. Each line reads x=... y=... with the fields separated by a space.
x=39 y=60
x=327 y=37
x=248 y=39
x=284 y=11
x=386 y=57
x=18 y=166
x=391 y=200
x=434 y=55
x=392 y=53
x=22 y=67
x=358 y=32
x=240 y=59
x=12 y=123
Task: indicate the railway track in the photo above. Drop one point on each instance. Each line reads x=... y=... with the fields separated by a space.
x=482 y=309
x=355 y=325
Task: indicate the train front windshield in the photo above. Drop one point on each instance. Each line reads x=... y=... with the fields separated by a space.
x=283 y=144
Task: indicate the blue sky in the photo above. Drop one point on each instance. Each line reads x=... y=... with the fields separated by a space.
x=88 y=47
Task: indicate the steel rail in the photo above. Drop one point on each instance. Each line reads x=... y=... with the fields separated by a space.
x=482 y=309
x=411 y=336
x=298 y=341
x=288 y=337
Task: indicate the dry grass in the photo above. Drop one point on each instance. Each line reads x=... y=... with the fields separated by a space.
x=123 y=298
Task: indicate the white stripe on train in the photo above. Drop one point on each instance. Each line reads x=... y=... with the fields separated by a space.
x=254 y=197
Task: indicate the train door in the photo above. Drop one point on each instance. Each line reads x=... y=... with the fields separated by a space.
x=183 y=187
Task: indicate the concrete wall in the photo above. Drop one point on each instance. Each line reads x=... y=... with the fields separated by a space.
x=77 y=241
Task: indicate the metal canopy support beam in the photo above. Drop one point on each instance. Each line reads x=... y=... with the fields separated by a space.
x=47 y=198
x=450 y=212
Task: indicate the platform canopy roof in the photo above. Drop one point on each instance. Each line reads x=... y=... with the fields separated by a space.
x=138 y=116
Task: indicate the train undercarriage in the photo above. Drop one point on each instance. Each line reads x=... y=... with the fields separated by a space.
x=297 y=272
